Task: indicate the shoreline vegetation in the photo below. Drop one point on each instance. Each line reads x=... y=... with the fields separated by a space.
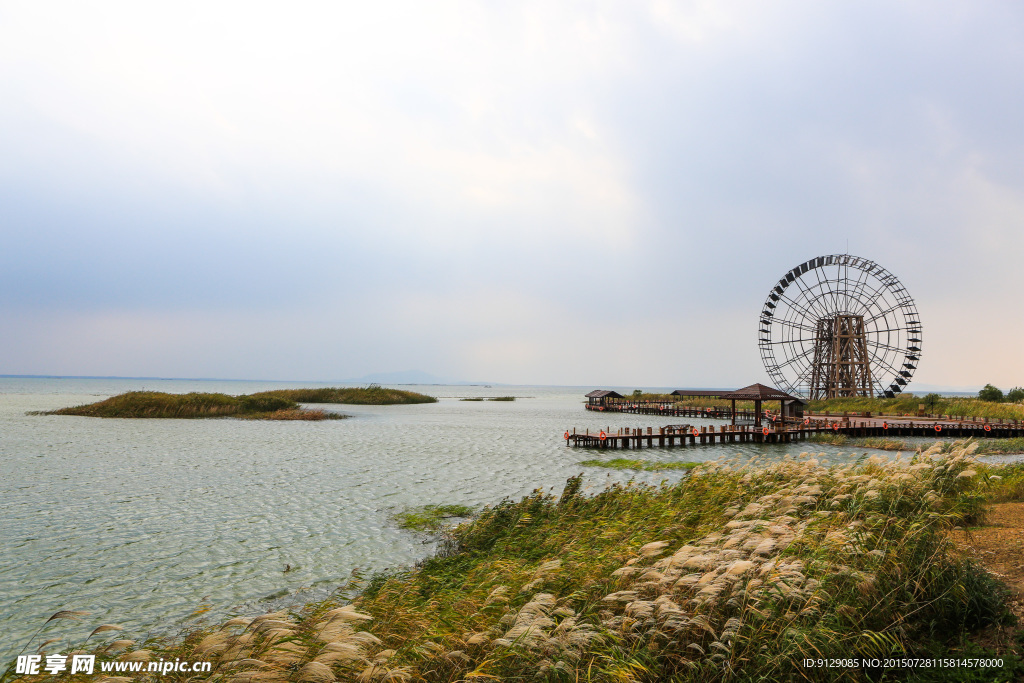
x=280 y=404
x=741 y=571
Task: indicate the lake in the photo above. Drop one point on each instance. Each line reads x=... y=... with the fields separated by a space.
x=141 y=522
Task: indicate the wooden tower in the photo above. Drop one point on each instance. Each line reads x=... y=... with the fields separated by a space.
x=841 y=366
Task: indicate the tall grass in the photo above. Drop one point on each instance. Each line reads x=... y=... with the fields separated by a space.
x=738 y=572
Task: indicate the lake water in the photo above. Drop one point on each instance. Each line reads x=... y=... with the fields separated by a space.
x=140 y=522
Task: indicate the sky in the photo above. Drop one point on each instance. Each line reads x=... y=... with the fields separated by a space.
x=547 y=192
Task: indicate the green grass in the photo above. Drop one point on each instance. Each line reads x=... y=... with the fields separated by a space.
x=882 y=444
x=738 y=572
x=877 y=443
x=649 y=465
x=430 y=517
x=373 y=394
x=1000 y=446
x=908 y=405
x=156 y=404
x=827 y=438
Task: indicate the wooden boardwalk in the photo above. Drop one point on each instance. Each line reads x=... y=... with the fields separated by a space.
x=687 y=435
x=670 y=410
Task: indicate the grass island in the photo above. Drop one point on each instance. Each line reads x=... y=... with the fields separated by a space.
x=280 y=404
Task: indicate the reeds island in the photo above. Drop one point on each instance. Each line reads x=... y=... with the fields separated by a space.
x=281 y=404
x=738 y=572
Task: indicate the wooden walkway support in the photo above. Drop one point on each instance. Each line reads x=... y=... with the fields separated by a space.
x=687 y=435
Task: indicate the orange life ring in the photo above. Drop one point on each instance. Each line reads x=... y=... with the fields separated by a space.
x=938 y=428
x=602 y=435
x=885 y=425
x=695 y=432
x=988 y=428
x=764 y=430
x=835 y=426
x=807 y=420
x=566 y=434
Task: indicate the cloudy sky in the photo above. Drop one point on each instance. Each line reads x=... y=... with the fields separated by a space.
x=532 y=192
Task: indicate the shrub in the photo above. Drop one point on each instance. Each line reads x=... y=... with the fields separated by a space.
x=991 y=393
x=1015 y=395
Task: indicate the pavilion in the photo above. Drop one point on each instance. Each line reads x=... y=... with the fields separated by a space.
x=759 y=393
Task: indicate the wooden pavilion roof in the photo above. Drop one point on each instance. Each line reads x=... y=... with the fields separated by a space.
x=604 y=393
x=759 y=392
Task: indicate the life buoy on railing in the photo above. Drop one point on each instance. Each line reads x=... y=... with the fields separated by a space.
x=835 y=426
x=807 y=421
x=602 y=435
x=988 y=428
x=695 y=432
x=566 y=435
x=885 y=425
x=764 y=430
x=938 y=428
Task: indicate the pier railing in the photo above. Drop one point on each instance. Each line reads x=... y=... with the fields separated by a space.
x=788 y=431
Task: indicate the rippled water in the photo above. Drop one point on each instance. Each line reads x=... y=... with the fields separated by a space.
x=141 y=521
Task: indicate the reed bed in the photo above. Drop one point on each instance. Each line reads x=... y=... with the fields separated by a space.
x=157 y=404
x=373 y=394
x=305 y=414
x=738 y=572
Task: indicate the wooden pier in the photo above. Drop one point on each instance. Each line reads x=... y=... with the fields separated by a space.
x=687 y=435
